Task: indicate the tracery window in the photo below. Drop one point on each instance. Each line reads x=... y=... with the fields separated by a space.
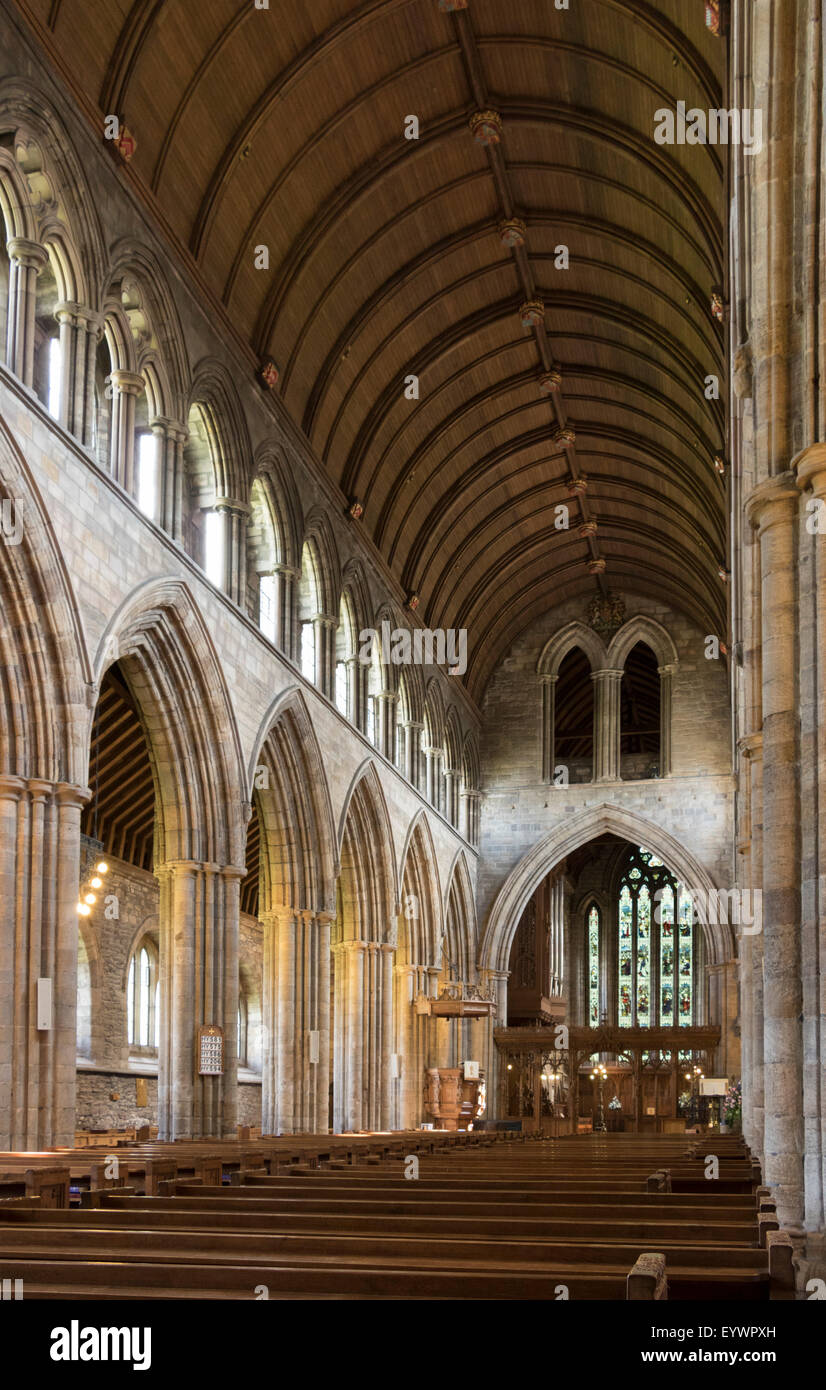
x=656 y=946
x=593 y=967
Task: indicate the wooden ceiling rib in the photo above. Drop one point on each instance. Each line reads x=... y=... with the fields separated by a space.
x=285 y=127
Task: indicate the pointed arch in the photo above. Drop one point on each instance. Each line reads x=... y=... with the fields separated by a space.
x=213 y=397
x=471 y=774
x=137 y=281
x=572 y=635
x=57 y=205
x=641 y=629
x=459 y=941
x=299 y=858
x=524 y=878
x=368 y=883
x=270 y=469
x=319 y=538
x=420 y=919
x=44 y=665
x=167 y=655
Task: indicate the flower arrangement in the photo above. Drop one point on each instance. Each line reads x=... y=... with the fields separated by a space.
x=733 y=1105
x=615 y=1103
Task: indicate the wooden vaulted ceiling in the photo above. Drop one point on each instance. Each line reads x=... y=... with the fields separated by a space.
x=285 y=128
x=121 y=810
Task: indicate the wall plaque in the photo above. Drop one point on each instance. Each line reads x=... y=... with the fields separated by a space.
x=210 y=1050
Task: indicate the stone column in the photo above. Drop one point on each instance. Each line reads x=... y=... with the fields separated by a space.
x=666 y=674
x=349 y=1025
x=235 y=515
x=384 y=1020
x=125 y=388
x=26 y=260
x=39 y=877
x=199 y=985
x=810 y=467
x=606 y=725
x=451 y=778
x=548 y=684
x=384 y=715
x=171 y=437
x=433 y=776
x=324 y=634
x=412 y=745
x=296 y=1005
x=79 y=333
x=356 y=690
x=772 y=509
x=285 y=609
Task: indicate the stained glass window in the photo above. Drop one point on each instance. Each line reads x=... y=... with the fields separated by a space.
x=655 y=945
x=593 y=968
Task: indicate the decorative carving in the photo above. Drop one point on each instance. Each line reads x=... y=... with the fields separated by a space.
x=565 y=436
x=588 y=528
x=577 y=486
x=486 y=127
x=550 y=382
x=512 y=232
x=596 y=567
x=606 y=615
x=268 y=374
x=532 y=313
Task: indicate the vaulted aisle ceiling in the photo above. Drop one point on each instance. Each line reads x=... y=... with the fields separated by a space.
x=285 y=128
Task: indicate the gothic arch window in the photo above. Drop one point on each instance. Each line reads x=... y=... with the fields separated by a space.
x=640 y=753
x=242 y=1025
x=593 y=927
x=347 y=670
x=142 y=997
x=573 y=730
x=656 y=947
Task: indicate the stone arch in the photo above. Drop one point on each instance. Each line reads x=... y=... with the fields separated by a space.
x=56 y=202
x=363 y=946
x=420 y=921
x=641 y=629
x=368 y=881
x=163 y=643
x=298 y=839
x=136 y=280
x=522 y=881
x=319 y=537
x=44 y=666
x=459 y=918
x=574 y=634
x=214 y=396
x=272 y=470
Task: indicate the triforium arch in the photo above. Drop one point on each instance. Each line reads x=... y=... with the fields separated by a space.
x=363 y=947
x=354 y=610
x=218 y=460
x=319 y=588
x=141 y=383
x=52 y=251
x=43 y=716
x=298 y=867
x=165 y=653
x=416 y=970
x=274 y=529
